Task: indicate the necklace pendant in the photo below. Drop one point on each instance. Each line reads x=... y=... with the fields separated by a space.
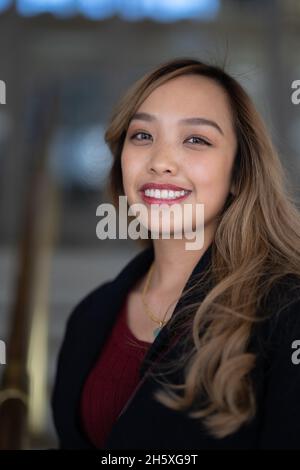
x=156 y=331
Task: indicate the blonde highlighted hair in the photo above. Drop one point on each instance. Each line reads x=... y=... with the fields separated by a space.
x=256 y=244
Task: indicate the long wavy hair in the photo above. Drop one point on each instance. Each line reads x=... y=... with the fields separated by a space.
x=257 y=243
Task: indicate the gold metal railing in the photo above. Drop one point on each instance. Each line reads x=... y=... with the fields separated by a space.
x=22 y=392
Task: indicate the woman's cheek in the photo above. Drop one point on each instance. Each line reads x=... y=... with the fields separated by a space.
x=212 y=192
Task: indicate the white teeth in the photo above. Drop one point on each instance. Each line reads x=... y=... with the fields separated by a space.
x=164 y=193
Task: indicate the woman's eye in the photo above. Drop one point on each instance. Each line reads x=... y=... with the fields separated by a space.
x=199 y=140
x=146 y=136
x=134 y=136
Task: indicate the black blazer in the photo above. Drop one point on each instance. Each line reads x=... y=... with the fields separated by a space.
x=147 y=424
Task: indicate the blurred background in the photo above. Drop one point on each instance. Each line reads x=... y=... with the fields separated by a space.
x=63 y=65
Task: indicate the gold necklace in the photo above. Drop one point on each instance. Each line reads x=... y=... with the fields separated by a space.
x=147 y=310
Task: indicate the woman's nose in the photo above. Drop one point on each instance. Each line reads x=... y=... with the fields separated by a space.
x=163 y=161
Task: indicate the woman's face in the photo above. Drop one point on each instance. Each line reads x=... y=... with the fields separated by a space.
x=181 y=135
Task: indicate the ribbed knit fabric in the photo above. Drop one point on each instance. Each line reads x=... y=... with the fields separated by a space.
x=112 y=380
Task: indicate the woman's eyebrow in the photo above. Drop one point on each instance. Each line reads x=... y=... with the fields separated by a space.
x=192 y=120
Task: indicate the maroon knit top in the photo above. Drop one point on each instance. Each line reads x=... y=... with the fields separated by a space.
x=111 y=380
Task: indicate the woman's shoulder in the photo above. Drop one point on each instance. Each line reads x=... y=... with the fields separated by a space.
x=283 y=301
x=89 y=303
x=280 y=404
x=280 y=316
x=102 y=297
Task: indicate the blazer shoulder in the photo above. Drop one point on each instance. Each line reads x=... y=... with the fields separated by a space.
x=103 y=296
x=89 y=303
x=281 y=409
x=283 y=308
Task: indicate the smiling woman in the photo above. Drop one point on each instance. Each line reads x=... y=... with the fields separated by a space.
x=228 y=313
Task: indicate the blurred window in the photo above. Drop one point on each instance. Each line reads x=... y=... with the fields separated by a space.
x=131 y=10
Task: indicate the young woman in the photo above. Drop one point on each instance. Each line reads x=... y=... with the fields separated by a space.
x=191 y=349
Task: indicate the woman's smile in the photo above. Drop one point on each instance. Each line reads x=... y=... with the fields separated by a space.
x=164 y=196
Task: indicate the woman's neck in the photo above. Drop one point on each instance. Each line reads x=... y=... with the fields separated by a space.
x=173 y=263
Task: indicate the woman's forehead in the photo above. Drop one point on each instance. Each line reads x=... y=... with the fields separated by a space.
x=182 y=98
